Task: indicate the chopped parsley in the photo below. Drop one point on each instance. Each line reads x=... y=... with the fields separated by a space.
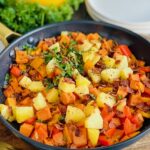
x=48 y=83
x=7 y=77
x=62 y=119
x=47 y=56
x=120 y=97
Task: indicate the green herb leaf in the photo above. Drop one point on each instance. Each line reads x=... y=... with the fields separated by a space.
x=62 y=119
x=120 y=97
x=48 y=83
x=7 y=78
x=47 y=57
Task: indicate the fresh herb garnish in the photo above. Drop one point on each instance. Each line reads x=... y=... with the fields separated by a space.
x=28 y=48
x=47 y=56
x=62 y=119
x=7 y=78
x=120 y=97
x=48 y=83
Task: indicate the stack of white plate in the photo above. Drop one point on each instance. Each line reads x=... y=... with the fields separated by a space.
x=131 y=14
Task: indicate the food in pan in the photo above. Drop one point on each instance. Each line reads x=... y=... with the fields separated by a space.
x=77 y=90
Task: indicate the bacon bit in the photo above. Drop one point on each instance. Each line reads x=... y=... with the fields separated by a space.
x=59 y=127
x=119 y=114
x=100 y=65
x=69 y=80
x=62 y=108
x=146 y=83
x=117 y=62
x=77 y=132
x=124 y=83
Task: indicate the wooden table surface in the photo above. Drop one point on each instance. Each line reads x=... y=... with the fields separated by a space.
x=8 y=137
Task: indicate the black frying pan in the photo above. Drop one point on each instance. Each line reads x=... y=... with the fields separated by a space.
x=139 y=46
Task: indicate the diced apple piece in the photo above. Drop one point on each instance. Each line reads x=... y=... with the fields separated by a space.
x=4 y=111
x=94 y=121
x=74 y=114
x=109 y=75
x=86 y=46
x=36 y=86
x=96 y=45
x=121 y=105
x=96 y=58
x=75 y=73
x=51 y=66
x=82 y=81
x=39 y=102
x=93 y=135
x=108 y=61
x=55 y=47
x=96 y=78
x=121 y=61
x=25 y=82
x=64 y=33
x=82 y=90
x=23 y=113
x=124 y=73
x=92 y=56
x=104 y=98
x=88 y=110
x=65 y=86
x=89 y=55
x=52 y=95
x=11 y=118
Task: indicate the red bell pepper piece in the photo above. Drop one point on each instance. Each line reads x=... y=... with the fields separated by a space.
x=107 y=114
x=118 y=134
x=110 y=132
x=31 y=120
x=104 y=141
x=147 y=90
x=127 y=112
x=15 y=71
x=125 y=50
x=145 y=69
x=129 y=127
x=55 y=130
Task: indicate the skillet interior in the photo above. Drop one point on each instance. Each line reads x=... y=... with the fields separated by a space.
x=139 y=46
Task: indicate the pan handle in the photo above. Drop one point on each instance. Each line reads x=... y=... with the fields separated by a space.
x=6 y=34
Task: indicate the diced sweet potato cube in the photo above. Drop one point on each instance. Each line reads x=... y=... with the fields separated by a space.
x=21 y=57
x=11 y=101
x=26 y=129
x=81 y=139
x=44 y=114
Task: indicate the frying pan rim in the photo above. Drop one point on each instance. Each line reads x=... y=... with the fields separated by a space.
x=44 y=146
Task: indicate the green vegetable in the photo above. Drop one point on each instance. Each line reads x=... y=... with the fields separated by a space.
x=48 y=83
x=120 y=97
x=7 y=78
x=62 y=119
x=92 y=97
x=23 y=17
x=47 y=57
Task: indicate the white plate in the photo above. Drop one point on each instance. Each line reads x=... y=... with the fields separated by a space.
x=97 y=17
x=143 y=32
x=128 y=11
